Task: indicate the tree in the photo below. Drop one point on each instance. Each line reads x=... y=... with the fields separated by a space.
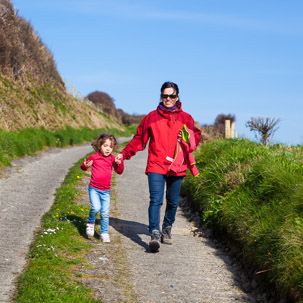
x=101 y=98
x=105 y=101
x=265 y=126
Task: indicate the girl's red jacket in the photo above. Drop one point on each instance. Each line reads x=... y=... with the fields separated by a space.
x=161 y=128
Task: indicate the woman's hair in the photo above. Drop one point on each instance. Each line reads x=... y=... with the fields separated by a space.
x=101 y=139
x=168 y=85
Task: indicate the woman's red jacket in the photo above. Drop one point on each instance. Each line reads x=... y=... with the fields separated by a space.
x=161 y=128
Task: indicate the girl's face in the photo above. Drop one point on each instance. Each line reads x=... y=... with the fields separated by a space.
x=106 y=148
x=167 y=97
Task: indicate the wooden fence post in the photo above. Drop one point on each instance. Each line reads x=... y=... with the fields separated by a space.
x=232 y=129
x=227 y=129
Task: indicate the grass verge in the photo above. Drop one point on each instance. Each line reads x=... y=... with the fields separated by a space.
x=58 y=267
x=30 y=140
x=252 y=195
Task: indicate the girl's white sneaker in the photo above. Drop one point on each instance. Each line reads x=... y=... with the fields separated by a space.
x=105 y=238
x=90 y=229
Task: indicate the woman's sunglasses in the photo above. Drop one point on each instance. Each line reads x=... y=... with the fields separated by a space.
x=164 y=96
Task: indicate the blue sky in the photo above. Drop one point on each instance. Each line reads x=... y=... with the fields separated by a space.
x=239 y=57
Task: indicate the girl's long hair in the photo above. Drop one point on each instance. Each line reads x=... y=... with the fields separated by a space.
x=101 y=139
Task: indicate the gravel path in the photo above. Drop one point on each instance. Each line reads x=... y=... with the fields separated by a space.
x=26 y=193
x=191 y=270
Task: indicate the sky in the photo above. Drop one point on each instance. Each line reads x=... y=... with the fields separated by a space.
x=232 y=57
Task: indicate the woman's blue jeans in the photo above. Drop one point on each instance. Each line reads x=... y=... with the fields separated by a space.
x=156 y=184
x=100 y=202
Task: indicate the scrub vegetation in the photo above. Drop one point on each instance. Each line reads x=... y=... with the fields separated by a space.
x=252 y=196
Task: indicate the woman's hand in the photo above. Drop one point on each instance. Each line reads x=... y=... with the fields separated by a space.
x=179 y=138
x=88 y=163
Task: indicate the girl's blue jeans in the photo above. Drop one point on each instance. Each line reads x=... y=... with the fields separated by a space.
x=100 y=202
x=156 y=184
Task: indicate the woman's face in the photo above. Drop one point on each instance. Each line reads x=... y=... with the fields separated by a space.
x=167 y=97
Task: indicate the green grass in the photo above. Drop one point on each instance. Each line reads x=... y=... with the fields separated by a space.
x=30 y=140
x=57 y=248
x=60 y=247
x=253 y=195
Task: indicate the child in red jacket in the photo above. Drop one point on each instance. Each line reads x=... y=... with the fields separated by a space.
x=102 y=163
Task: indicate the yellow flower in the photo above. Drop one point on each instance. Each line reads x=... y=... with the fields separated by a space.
x=82 y=209
x=78 y=177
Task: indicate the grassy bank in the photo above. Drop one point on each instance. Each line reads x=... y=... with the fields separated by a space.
x=253 y=195
x=57 y=259
x=30 y=140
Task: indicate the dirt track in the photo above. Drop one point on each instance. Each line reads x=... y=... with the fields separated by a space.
x=27 y=192
x=190 y=270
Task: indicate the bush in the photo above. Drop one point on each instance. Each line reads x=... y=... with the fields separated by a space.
x=106 y=102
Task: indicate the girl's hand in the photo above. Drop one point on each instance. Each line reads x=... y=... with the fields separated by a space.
x=118 y=157
x=179 y=138
x=88 y=163
x=118 y=161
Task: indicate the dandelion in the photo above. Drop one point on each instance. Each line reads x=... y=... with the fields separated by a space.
x=78 y=177
x=82 y=209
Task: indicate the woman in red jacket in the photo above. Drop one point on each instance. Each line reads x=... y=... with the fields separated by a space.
x=161 y=128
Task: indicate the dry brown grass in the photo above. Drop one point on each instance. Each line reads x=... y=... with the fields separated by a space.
x=32 y=93
x=209 y=133
x=24 y=104
x=22 y=53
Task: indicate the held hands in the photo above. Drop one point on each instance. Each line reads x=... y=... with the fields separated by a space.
x=118 y=159
x=88 y=163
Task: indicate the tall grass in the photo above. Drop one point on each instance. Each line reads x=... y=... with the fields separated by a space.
x=253 y=195
x=15 y=144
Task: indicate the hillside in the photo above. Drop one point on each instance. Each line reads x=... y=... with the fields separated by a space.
x=32 y=93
